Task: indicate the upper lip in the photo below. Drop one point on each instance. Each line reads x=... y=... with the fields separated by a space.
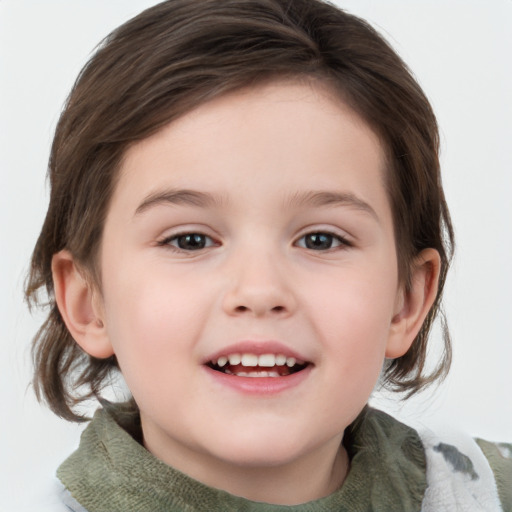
x=257 y=348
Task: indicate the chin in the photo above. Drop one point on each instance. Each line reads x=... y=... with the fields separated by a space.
x=260 y=449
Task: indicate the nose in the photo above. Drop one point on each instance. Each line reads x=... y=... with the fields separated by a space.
x=258 y=286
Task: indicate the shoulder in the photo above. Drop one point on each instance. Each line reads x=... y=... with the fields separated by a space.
x=464 y=474
x=69 y=504
x=499 y=456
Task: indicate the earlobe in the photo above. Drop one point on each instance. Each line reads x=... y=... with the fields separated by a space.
x=79 y=306
x=413 y=305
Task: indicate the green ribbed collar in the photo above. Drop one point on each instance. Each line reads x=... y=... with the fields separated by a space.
x=111 y=472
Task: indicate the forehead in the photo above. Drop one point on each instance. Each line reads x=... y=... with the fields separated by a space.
x=282 y=137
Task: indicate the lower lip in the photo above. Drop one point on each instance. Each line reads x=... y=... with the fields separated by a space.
x=264 y=386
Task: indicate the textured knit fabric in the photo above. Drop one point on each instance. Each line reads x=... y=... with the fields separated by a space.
x=392 y=469
x=112 y=472
x=499 y=456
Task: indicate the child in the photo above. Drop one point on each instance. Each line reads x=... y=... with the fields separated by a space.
x=246 y=219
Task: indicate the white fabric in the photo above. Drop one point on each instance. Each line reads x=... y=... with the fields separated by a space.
x=459 y=477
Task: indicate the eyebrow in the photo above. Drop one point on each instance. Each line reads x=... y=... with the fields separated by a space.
x=178 y=197
x=328 y=198
x=299 y=199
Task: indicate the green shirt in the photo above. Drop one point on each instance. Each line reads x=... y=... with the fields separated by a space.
x=112 y=472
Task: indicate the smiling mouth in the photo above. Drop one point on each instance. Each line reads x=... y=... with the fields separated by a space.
x=252 y=365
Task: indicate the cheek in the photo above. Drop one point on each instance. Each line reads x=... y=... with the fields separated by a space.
x=360 y=306
x=353 y=321
x=151 y=324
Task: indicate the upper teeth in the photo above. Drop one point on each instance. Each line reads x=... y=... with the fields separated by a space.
x=265 y=360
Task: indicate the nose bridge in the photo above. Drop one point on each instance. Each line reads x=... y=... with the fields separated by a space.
x=257 y=281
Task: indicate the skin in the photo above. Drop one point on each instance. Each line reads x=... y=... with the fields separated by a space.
x=260 y=155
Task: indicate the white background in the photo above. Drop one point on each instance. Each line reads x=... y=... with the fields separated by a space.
x=461 y=53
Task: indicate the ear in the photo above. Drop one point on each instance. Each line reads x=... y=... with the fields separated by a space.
x=80 y=306
x=413 y=304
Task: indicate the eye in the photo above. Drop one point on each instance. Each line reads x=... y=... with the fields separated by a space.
x=321 y=241
x=188 y=241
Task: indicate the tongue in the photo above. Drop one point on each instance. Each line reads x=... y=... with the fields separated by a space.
x=237 y=368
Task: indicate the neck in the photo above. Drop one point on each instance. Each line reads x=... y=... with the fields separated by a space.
x=301 y=481
x=309 y=477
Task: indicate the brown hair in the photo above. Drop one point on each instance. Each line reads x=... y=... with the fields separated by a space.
x=181 y=53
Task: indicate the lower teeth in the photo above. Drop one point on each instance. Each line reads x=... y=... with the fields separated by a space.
x=253 y=374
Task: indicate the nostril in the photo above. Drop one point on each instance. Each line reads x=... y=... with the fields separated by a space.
x=275 y=309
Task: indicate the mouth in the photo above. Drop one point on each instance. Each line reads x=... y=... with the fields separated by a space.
x=257 y=365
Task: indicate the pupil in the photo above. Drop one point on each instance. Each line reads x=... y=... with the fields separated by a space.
x=319 y=241
x=192 y=241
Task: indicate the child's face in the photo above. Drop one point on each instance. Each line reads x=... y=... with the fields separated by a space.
x=257 y=224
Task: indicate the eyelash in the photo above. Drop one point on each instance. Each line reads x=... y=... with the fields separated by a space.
x=331 y=237
x=167 y=242
x=204 y=241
